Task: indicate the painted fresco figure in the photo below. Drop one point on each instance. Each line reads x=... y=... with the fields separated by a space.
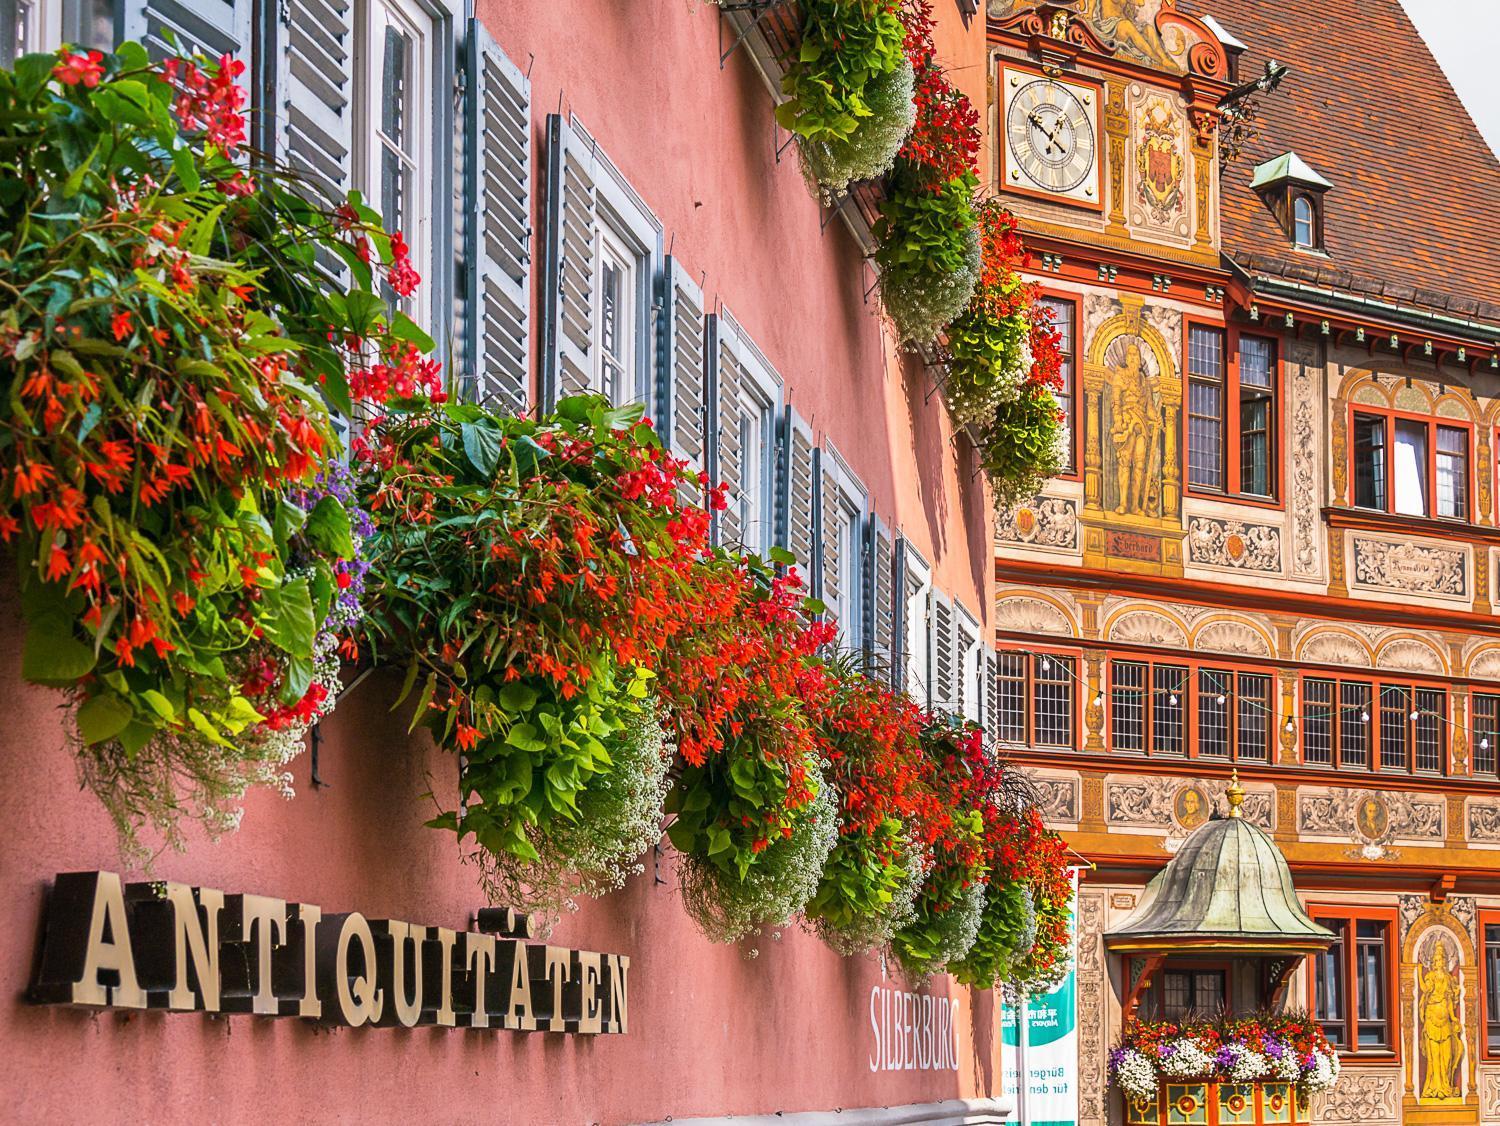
x=1133 y=430
x=1121 y=21
x=1442 y=1038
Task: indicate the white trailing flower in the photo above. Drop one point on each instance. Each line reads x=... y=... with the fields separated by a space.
x=1187 y=1060
x=1135 y=1075
x=870 y=150
x=1249 y=1066
x=1287 y=1068
x=1324 y=1073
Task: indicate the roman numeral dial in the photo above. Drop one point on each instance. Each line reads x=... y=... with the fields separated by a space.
x=1051 y=137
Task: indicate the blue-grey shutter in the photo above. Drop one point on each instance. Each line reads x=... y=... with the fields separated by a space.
x=833 y=576
x=568 y=287
x=495 y=311
x=682 y=393
x=315 y=97
x=728 y=456
x=797 y=494
x=900 y=614
x=880 y=596
x=990 y=693
x=942 y=678
x=206 y=27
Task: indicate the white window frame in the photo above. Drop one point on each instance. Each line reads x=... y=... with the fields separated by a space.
x=613 y=248
x=623 y=223
x=968 y=664
x=854 y=501
x=760 y=395
x=43 y=27
x=372 y=19
x=918 y=605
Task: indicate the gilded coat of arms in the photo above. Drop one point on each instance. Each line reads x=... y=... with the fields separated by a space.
x=1158 y=163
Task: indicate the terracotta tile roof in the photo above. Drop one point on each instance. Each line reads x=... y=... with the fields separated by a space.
x=1412 y=215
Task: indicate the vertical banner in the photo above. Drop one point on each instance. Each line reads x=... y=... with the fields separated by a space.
x=1047 y=1042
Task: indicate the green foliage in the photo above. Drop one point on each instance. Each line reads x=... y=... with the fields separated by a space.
x=730 y=888
x=1007 y=930
x=157 y=407
x=949 y=912
x=988 y=361
x=870 y=150
x=1021 y=446
x=928 y=254
x=846 y=46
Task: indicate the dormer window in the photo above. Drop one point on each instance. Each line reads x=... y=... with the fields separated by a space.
x=1304 y=221
x=1293 y=192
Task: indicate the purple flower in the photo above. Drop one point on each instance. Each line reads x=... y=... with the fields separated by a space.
x=1224 y=1058
x=1116 y=1058
x=1274 y=1048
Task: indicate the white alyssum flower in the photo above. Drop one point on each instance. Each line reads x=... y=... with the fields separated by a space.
x=1287 y=1068
x=1249 y=1066
x=1136 y=1076
x=1187 y=1060
x=1324 y=1073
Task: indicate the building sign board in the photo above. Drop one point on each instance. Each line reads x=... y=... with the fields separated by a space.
x=107 y=944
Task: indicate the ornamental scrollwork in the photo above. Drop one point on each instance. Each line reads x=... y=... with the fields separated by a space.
x=1410 y=568
x=1360 y=1096
x=1040 y=522
x=1234 y=544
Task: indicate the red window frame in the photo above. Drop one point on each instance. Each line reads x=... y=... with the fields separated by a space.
x=1073 y=471
x=1033 y=657
x=1189 y=693
x=1490 y=916
x=1373 y=747
x=1231 y=420
x=1345 y=913
x=1431 y=422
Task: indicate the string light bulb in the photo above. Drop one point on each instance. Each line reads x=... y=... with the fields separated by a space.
x=1484 y=744
x=1289 y=725
x=1413 y=716
x=1172 y=699
x=1221 y=699
x=1364 y=717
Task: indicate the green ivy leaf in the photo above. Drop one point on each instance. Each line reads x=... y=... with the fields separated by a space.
x=329 y=530
x=103 y=717
x=52 y=655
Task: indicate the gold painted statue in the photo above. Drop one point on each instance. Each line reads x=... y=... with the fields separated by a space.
x=1134 y=426
x=1442 y=1032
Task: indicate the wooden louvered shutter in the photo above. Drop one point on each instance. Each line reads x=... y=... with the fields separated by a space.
x=206 y=27
x=990 y=694
x=833 y=582
x=682 y=396
x=968 y=664
x=495 y=311
x=568 y=289
x=880 y=595
x=314 y=99
x=900 y=645
x=724 y=436
x=940 y=650
x=798 y=492
x=918 y=603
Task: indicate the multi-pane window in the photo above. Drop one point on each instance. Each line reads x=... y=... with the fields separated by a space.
x=1035 y=699
x=1411 y=466
x=758 y=469
x=1360 y=725
x=1206 y=407
x=1148 y=706
x=615 y=317
x=1492 y=988
x=396 y=90
x=42 y=25
x=1234 y=715
x=1062 y=321
x=1351 y=982
x=1486 y=707
x=1192 y=993
x=1166 y=708
x=1231 y=411
x=1257 y=401
x=1304 y=222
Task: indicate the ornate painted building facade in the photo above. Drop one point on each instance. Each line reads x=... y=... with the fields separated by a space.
x=1275 y=544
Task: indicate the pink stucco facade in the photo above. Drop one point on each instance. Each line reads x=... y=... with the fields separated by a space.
x=712 y=1031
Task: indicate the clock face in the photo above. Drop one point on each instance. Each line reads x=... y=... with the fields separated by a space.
x=1050 y=138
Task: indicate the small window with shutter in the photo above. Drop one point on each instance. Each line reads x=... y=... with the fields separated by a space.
x=603 y=255
x=917 y=602
x=841 y=518
x=683 y=384
x=880 y=597
x=797 y=491
x=745 y=403
x=494 y=306
x=968 y=665
x=44 y=25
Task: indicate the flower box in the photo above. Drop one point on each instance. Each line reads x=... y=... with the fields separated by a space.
x=1218 y=1104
